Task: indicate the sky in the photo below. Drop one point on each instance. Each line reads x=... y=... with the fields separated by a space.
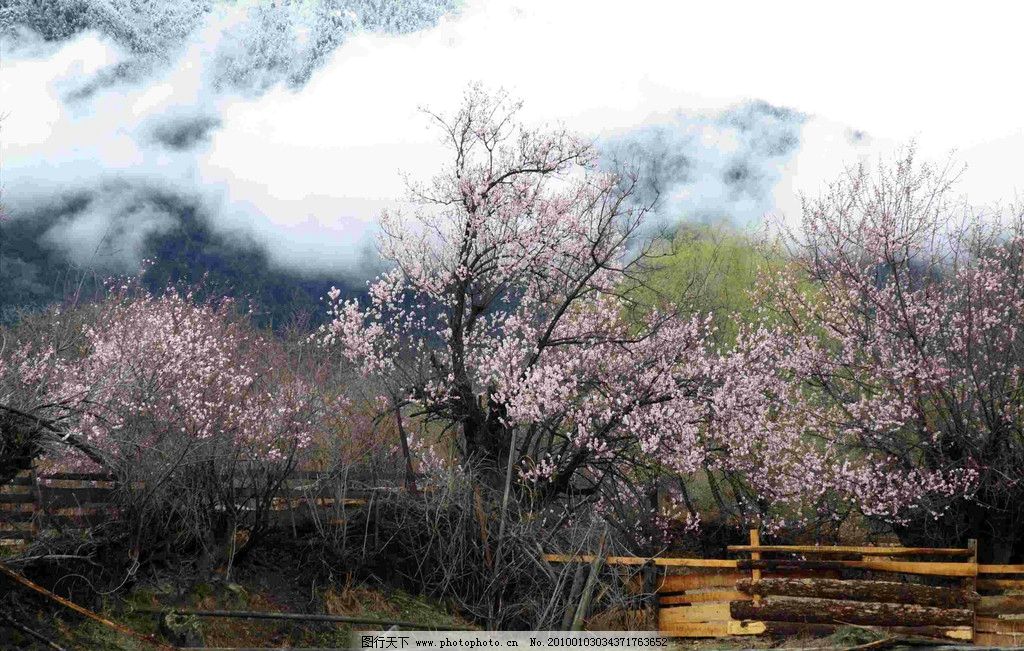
x=303 y=168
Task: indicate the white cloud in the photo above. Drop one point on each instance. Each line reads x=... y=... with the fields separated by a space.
x=306 y=171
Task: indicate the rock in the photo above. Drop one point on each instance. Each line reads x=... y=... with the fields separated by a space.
x=181 y=630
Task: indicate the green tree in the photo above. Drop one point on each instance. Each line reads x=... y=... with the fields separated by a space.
x=708 y=268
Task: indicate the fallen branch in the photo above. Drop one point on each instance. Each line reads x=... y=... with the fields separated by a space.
x=120 y=628
x=304 y=617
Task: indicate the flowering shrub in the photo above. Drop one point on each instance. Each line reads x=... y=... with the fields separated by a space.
x=200 y=417
x=162 y=370
x=31 y=413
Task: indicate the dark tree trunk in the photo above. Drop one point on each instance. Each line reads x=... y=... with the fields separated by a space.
x=19 y=445
x=999 y=531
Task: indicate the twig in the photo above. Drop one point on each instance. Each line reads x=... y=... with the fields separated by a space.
x=31 y=633
x=877 y=644
x=52 y=557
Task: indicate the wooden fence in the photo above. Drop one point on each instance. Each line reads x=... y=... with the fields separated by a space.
x=789 y=589
x=772 y=589
x=999 y=613
x=34 y=504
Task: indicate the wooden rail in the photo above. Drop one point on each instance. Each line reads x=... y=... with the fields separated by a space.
x=901 y=567
x=639 y=560
x=847 y=550
x=34 y=502
x=787 y=589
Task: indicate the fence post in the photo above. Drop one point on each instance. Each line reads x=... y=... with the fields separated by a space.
x=588 y=588
x=971 y=583
x=649 y=573
x=755 y=574
x=37 y=500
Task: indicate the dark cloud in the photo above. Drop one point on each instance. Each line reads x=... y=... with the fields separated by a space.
x=91 y=215
x=184 y=132
x=711 y=166
x=36 y=271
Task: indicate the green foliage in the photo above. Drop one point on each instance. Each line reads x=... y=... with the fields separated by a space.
x=708 y=269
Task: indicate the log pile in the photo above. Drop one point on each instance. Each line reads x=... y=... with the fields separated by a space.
x=815 y=604
x=838 y=611
x=871 y=591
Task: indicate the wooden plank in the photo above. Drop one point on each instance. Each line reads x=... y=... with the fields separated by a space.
x=713 y=578
x=639 y=560
x=74 y=484
x=997 y=625
x=588 y=558
x=904 y=567
x=81 y=476
x=802 y=574
x=683 y=582
x=1000 y=584
x=863 y=551
x=836 y=611
x=1003 y=640
x=1001 y=569
x=693 y=562
x=703 y=597
x=1002 y=605
x=16 y=498
x=697 y=613
x=50 y=497
x=16 y=516
x=857 y=590
x=970 y=583
x=284 y=503
x=755 y=575
x=789 y=629
x=711 y=629
x=745 y=628
x=76 y=522
x=672 y=628
x=317 y=491
x=77 y=511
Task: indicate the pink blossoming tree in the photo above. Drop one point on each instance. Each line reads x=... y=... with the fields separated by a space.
x=502 y=317
x=199 y=416
x=909 y=347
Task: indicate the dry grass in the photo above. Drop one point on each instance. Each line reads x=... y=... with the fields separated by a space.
x=347 y=599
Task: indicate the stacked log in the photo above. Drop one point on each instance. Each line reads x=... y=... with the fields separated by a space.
x=837 y=611
x=812 y=605
x=862 y=591
x=787 y=629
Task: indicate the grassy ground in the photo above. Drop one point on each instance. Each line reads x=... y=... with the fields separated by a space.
x=262 y=590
